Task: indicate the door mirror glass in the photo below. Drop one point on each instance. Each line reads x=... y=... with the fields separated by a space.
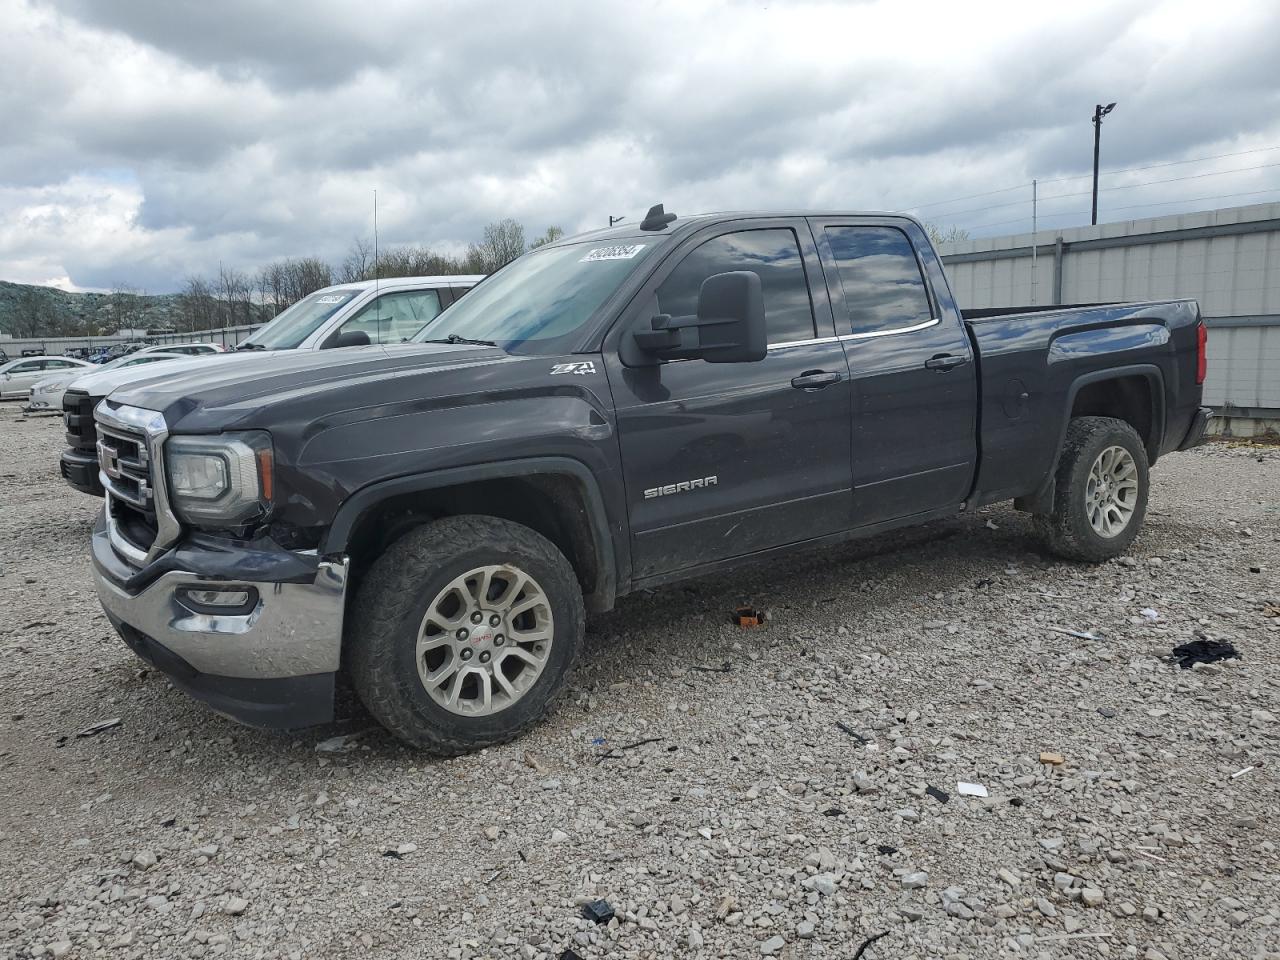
x=728 y=327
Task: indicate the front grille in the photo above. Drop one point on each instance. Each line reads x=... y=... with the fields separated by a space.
x=77 y=412
x=126 y=465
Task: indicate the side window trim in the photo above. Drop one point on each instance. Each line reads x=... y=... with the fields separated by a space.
x=829 y=260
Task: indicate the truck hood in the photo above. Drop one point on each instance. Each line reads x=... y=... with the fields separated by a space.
x=209 y=396
x=100 y=383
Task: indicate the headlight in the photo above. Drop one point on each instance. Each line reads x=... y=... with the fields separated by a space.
x=48 y=387
x=221 y=480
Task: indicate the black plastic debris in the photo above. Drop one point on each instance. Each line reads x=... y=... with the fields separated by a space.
x=570 y=955
x=886 y=850
x=833 y=812
x=868 y=942
x=1015 y=801
x=851 y=732
x=1204 y=651
x=940 y=795
x=598 y=911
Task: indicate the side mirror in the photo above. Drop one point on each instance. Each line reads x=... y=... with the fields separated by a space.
x=728 y=327
x=349 y=338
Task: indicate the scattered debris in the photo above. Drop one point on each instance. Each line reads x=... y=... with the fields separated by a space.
x=723 y=668
x=971 y=790
x=1204 y=651
x=1148 y=614
x=611 y=753
x=400 y=851
x=533 y=763
x=1052 y=759
x=598 y=911
x=343 y=743
x=1078 y=634
x=983 y=583
x=940 y=795
x=886 y=850
x=96 y=728
x=1241 y=773
x=833 y=812
x=570 y=955
x=868 y=942
x=748 y=617
x=852 y=732
x=493 y=876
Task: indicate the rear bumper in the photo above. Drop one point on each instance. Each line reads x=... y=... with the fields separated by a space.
x=1196 y=432
x=81 y=471
x=273 y=666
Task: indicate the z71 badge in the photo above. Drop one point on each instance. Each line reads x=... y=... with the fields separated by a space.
x=581 y=368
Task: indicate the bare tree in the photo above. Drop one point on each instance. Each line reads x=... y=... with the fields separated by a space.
x=358 y=263
x=127 y=306
x=951 y=234
x=551 y=236
x=503 y=242
x=197 y=306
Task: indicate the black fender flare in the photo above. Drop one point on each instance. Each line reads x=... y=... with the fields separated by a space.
x=608 y=564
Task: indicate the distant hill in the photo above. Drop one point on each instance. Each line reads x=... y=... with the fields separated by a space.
x=33 y=311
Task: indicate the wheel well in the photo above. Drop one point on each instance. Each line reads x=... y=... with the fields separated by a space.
x=554 y=505
x=1124 y=398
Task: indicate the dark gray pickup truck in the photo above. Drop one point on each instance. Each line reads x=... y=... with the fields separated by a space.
x=612 y=411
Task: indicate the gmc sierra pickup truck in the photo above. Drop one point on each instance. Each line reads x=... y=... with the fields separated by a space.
x=609 y=412
x=347 y=315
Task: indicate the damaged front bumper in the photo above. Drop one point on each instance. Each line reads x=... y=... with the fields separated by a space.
x=268 y=662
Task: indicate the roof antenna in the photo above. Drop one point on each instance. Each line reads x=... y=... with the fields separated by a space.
x=377 y=301
x=656 y=218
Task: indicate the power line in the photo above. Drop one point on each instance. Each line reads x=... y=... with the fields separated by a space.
x=1220 y=196
x=1105 y=173
x=1167 y=163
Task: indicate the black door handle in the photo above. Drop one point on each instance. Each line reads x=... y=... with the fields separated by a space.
x=944 y=362
x=815 y=379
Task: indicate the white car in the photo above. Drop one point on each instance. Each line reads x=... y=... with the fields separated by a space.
x=46 y=394
x=186 y=349
x=18 y=376
x=361 y=314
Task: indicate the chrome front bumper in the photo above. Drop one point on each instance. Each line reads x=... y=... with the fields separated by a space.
x=294 y=630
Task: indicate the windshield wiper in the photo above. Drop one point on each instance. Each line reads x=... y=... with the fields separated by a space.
x=454 y=338
x=250 y=345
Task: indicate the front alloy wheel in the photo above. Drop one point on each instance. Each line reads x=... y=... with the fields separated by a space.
x=463 y=632
x=485 y=640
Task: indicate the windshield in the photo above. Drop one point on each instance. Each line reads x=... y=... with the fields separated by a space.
x=287 y=331
x=539 y=302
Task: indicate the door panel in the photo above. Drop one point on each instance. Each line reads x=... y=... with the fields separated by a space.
x=914 y=386
x=722 y=460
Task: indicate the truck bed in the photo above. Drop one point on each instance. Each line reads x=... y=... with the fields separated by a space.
x=1036 y=364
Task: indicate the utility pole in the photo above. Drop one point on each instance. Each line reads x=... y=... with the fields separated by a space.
x=1034 y=245
x=613 y=219
x=1099 y=112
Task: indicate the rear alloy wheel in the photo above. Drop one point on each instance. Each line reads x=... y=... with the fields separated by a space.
x=1100 y=493
x=463 y=632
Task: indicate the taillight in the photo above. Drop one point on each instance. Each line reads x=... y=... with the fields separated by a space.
x=1202 y=344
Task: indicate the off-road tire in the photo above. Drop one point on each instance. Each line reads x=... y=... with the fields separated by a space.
x=1067 y=531
x=392 y=600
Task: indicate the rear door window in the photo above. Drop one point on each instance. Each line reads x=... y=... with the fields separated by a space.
x=880 y=277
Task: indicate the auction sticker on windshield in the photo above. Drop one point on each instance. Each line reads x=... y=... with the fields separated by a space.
x=332 y=298
x=621 y=252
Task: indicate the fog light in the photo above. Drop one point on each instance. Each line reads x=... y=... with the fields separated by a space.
x=233 y=601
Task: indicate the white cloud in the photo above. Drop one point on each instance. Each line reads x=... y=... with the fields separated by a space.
x=159 y=138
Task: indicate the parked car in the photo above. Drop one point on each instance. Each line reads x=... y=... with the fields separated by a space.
x=608 y=413
x=17 y=376
x=188 y=349
x=46 y=394
x=346 y=315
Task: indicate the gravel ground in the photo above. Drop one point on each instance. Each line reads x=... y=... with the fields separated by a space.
x=780 y=805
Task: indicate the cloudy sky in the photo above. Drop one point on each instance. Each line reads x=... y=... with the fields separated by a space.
x=146 y=140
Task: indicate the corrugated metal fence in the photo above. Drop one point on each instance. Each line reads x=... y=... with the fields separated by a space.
x=1228 y=259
